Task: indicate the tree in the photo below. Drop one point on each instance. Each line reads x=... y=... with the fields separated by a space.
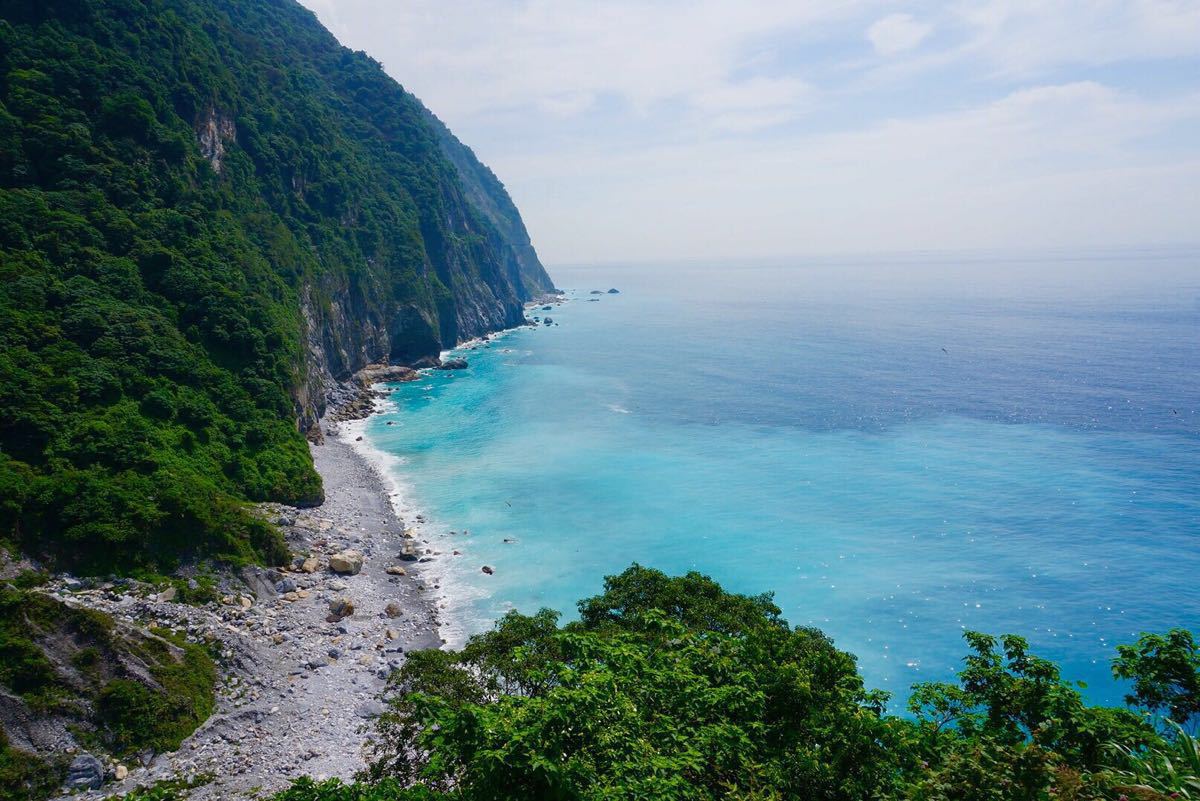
x=674 y=704
x=1165 y=671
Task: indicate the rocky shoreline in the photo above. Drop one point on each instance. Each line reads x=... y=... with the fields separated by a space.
x=303 y=652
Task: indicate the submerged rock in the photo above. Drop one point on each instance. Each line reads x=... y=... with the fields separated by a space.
x=614 y=292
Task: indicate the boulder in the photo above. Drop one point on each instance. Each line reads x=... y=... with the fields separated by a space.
x=341 y=608
x=85 y=773
x=120 y=772
x=370 y=709
x=311 y=565
x=453 y=364
x=284 y=586
x=548 y=321
x=396 y=570
x=167 y=595
x=614 y=292
x=384 y=374
x=393 y=609
x=346 y=562
x=409 y=553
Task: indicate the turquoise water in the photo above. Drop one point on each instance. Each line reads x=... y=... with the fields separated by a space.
x=900 y=449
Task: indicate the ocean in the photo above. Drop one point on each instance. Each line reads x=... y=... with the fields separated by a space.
x=899 y=448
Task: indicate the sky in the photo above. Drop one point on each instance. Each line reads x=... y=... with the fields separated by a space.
x=666 y=130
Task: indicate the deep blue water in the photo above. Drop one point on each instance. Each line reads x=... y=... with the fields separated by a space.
x=900 y=449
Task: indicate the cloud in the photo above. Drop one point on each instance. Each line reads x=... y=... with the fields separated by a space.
x=1050 y=165
x=1030 y=36
x=896 y=33
x=674 y=128
x=479 y=56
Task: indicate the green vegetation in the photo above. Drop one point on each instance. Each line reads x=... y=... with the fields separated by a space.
x=185 y=185
x=135 y=716
x=672 y=688
x=25 y=776
x=166 y=790
x=1165 y=671
x=79 y=665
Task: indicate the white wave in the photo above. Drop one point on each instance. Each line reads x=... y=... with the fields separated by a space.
x=456 y=596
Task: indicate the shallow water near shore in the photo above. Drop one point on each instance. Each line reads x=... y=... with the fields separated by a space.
x=900 y=449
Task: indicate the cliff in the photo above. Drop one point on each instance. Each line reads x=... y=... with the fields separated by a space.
x=209 y=211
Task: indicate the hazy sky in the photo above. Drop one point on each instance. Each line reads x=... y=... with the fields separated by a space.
x=647 y=129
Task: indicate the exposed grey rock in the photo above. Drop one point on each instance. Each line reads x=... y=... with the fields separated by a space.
x=370 y=709
x=453 y=364
x=85 y=773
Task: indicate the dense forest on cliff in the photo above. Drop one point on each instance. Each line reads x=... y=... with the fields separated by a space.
x=208 y=211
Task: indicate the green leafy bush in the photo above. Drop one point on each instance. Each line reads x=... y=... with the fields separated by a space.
x=26 y=777
x=672 y=688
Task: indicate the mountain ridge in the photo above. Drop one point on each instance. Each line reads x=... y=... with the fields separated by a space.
x=212 y=213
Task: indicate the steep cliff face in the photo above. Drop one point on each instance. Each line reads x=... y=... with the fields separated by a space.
x=209 y=212
x=487 y=194
x=475 y=266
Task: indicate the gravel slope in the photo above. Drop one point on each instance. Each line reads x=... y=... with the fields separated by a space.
x=299 y=689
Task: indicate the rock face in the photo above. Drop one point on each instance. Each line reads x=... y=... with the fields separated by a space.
x=488 y=196
x=385 y=373
x=346 y=562
x=456 y=264
x=85 y=773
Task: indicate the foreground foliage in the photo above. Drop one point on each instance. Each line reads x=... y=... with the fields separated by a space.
x=672 y=688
